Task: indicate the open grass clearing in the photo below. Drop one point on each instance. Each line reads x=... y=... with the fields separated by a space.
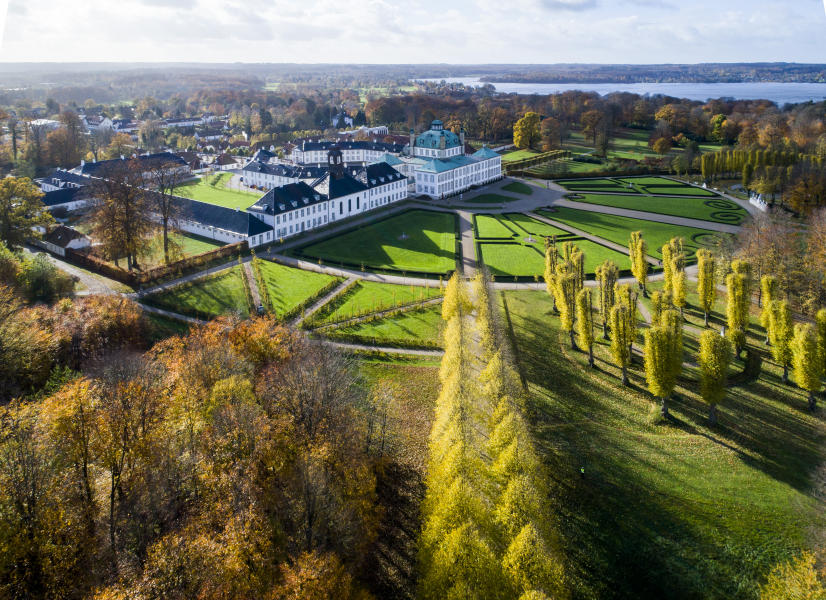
x=289 y=287
x=374 y=296
x=666 y=509
x=518 y=155
x=662 y=185
x=213 y=189
x=601 y=184
x=517 y=187
x=718 y=210
x=493 y=226
x=528 y=260
x=535 y=228
x=618 y=230
x=410 y=329
x=207 y=297
x=414 y=241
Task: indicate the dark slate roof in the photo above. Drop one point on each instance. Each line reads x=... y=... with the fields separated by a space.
x=310 y=173
x=236 y=221
x=99 y=168
x=364 y=145
x=335 y=187
x=61 y=235
x=61 y=177
x=269 y=169
x=377 y=174
x=286 y=198
x=61 y=196
x=263 y=155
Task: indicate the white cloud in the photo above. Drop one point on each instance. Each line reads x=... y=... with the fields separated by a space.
x=414 y=31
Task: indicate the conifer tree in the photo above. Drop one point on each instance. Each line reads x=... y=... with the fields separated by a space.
x=529 y=565
x=706 y=288
x=661 y=360
x=714 y=358
x=637 y=252
x=737 y=310
x=585 y=322
x=621 y=338
x=607 y=275
x=768 y=294
x=781 y=331
x=808 y=368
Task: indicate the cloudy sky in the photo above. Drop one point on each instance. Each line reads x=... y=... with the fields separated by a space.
x=414 y=31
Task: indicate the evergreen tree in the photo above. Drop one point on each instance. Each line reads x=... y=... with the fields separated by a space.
x=706 y=288
x=585 y=322
x=621 y=338
x=637 y=252
x=781 y=331
x=808 y=367
x=768 y=294
x=607 y=275
x=714 y=358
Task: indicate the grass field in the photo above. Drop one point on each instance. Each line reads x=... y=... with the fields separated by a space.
x=491 y=199
x=604 y=185
x=188 y=244
x=518 y=155
x=517 y=187
x=618 y=230
x=528 y=260
x=533 y=227
x=672 y=509
x=212 y=189
x=206 y=298
x=374 y=296
x=492 y=226
x=289 y=287
x=661 y=185
x=418 y=240
x=413 y=328
x=718 y=210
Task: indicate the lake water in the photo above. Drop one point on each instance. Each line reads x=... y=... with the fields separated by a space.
x=781 y=93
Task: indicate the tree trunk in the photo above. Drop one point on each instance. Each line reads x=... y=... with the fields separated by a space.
x=664 y=407
x=712 y=415
x=166 y=240
x=785 y=373
x=812 y=401
x=625 y=376
x=591 y=356
x=604 y=329
x=706 y=319
x=573 y=341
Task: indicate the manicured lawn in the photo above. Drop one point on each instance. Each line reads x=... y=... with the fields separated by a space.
x=518 y=155
x=289 y=287
x=596 y=185
x=206 y=298
x=618 y=230
x=490 y=199
x=661 y=185
x=189 y=245
x=418 y=240
x=413 y=328
x=528 y=260
x=374 y=296
x=666 y=509
x=212 y=189
x=719 y=210
x=492 y=226
x=534 y=227
x=517 y=187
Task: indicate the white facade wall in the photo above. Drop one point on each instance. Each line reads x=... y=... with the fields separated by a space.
x=266 y=180
x=349 y=156
x=222 y=235
x=438 y=185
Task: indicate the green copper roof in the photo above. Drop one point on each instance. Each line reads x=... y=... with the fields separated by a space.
x=432 y=139
x=438 y=165
x=485 y=153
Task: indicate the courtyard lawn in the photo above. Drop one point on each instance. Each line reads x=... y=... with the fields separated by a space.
x=289 y=287
x=618 y=230
x=662 y=185
x=492 y=226
x=414 y=328
x=207 y=297
x=530 y=226
x=518 y=260
x=718 y=210
x=490 y=199
x=602 y=185
x=517 y=187
x=415 y=241
x=666 y=509
x=188 y=244
x=518 y=155
x=374 y=296
x=212 y=190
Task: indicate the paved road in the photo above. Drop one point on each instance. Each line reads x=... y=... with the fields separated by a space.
x=94 y=284
x=322 y=301
x=386 y=349
x=468 y=243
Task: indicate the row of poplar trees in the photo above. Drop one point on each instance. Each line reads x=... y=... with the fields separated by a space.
x=801 y=347
x=486 y=527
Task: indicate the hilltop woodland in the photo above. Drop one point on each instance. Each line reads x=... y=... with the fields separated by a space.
x=774 y=150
